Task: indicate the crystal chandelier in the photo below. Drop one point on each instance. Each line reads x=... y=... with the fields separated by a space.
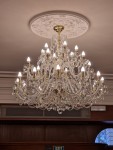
x=62 y=80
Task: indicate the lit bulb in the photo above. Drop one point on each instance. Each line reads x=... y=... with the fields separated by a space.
x=17 y=80
x=58 y=67
x=89 y=63
x=71 y=54
x=19 y=74
x=98 y=74
x=76 y=47
x=65 y=43
x=54 y=55
x=34 y=69
x=24 y=84
x=28 y=59
x=66 y=70
x=101 y=89
x=82 y=69
x=46 y=45
x=83 y=54
x=102 y=79
x=43 y=51
x=48 y=51
x=38 y=67
x=40 y=88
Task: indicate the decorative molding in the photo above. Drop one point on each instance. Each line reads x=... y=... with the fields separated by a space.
x=7 y=80
x=8 y=74
x=74 y=24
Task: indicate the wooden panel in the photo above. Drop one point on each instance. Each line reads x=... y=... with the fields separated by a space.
x=106 y=115
x=110 y=148
x=72 y=133
x=22 y=146
x=19 y=133
x=49 y=146
x=83 y=132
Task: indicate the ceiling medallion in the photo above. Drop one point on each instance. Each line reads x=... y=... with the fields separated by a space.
x=74 y=23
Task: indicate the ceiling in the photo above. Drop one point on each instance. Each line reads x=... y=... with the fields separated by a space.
x=17 y=41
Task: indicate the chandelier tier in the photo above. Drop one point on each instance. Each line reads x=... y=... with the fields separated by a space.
x=62 y=80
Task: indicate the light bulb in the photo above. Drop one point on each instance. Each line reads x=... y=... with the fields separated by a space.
x=76 y=47
x=48 y=51
x=65 y=43
x=83 y=54
x=89 y=63
x=101 y=89
x=24 y=84
x=82 y=69
x=98 y=74
x=66 y=70
x=43 y=51
x=28 y=59
x=54 y=55
x=58 y=67
x=17 y=80
x=19 y=74
x=34 y=69
x=71 y=54
x=38 y=67
x=46 y=45
x=102 y=79
x=40 y=88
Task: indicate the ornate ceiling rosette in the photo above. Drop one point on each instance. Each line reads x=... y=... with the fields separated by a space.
x=75 y=24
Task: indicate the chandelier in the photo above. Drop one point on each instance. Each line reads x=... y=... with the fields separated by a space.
x=62 y=80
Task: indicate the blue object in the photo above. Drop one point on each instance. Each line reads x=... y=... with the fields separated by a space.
x=105 y=136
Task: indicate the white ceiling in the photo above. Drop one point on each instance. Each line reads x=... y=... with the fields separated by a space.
x=17 y=41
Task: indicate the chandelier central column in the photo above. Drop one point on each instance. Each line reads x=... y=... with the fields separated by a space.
x=58 y=29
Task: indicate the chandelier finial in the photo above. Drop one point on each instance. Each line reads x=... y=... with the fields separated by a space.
x=58 y=28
